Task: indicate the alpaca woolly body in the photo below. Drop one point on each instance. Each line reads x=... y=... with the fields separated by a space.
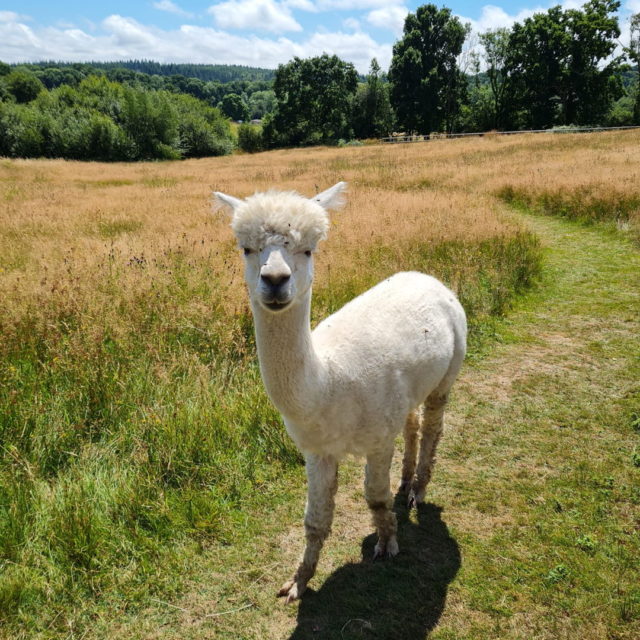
x=385 y=361
x=367 y=384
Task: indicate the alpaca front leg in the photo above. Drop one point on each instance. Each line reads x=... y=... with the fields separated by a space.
x=377 y=491
x=322 y=479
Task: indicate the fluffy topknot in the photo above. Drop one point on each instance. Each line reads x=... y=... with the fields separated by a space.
x=300 y=221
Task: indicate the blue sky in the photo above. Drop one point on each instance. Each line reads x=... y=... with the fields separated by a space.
x=261 y=33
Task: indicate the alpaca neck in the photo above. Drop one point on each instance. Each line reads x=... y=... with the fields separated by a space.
x=291 y=370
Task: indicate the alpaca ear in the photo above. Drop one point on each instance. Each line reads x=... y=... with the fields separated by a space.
x=332 y=198
x=223 y=200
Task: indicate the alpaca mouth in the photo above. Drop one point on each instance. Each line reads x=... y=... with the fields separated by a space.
x=276 y=306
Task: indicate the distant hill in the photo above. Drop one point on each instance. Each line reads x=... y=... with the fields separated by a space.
x=206 y=72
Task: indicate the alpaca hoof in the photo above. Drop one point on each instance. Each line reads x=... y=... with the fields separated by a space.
x=388 y=550
x=291 y=591
x=415 y=499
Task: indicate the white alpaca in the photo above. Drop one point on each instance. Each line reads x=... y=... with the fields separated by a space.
x=385 y=361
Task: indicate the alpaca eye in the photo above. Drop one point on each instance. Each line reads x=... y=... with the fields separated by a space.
x=247 y=251
x=307 y=253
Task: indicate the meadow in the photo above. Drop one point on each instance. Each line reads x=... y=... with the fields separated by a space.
x=136 y=436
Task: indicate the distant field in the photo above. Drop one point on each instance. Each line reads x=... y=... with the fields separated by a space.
x=134 y=430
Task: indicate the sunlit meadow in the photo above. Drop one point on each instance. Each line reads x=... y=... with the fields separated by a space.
x=133 y=425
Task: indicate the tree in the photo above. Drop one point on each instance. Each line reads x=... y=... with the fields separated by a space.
x=314 y=101
x=373 y=117
x=556 y=63
x=235 y=107
x=496 y=54
x=633 y=53
x=250 y=138
x=589 y=86
x=261 y=103
x=426 y=84
x=23 y=85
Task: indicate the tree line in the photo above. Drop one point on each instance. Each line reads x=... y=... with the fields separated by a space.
x=241 y=92
x=556 y=68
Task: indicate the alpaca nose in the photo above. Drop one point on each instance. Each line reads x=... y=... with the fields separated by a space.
x=275 y=279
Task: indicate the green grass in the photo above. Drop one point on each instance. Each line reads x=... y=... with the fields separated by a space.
x=590 y=204
x=531 y=528
x=548 y=457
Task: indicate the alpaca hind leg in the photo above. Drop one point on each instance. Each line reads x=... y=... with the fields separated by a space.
x=377 y=491
x=411 y=432
x=322 y=479
x=432 y=424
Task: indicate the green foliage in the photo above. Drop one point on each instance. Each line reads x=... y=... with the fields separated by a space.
x=555 y=62
x=496 y=54
x=5 y=69
x=151 y=122
x=261 y=103
x=224 y=73
x=559 y=573
x=351 y=143
x=622 y=112
x=250 y=138
x=633 y=53
x=202 y=130
x=372 y=114
x=426 y=84
x=235 y=107
x=587 y=544
x=23 y=85
x=479 y=112
x=104 y=120
x=314 y=101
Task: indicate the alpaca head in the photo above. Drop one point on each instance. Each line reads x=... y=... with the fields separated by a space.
x=278 y=231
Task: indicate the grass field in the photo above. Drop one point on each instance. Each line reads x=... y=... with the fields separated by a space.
x=143 y=470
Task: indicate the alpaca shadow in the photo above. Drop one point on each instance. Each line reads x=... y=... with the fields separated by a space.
x=398 y=599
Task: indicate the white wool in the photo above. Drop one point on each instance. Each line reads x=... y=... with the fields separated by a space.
x=383 y=363
x=286 y=215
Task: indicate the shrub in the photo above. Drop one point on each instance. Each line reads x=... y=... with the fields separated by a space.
x=103 y=120
x=250 y=138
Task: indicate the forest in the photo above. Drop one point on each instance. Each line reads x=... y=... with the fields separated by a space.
x=558 y=68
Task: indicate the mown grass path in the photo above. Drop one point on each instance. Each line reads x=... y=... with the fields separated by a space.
x=533 y=523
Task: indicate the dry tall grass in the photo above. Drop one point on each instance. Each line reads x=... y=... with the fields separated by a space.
x=63 y=222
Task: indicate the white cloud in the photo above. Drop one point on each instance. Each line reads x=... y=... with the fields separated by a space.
x=633 y=6
x=348 y=5
x=305 y=5
x=390 y=17
x=121 y=38
x=12 y=16
x=126 y=31
x=357 y=48
x=351 y=23
x=171 y=7
x=258 y=15
x=493 y=17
